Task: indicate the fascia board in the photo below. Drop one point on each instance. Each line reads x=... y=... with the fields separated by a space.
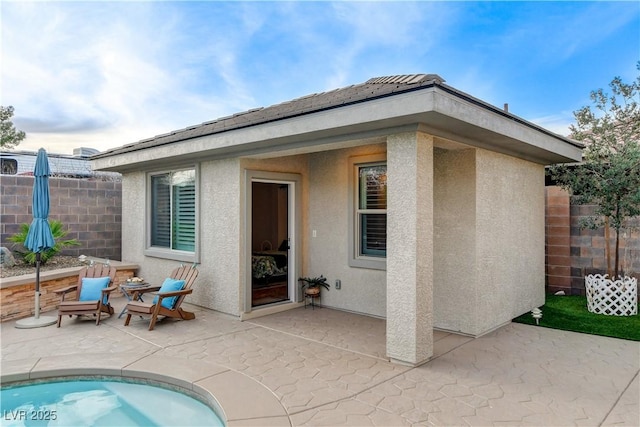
x=344 y=123
x=471 y=124
x=444 y=113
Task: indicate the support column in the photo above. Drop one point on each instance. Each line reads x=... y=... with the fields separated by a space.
x=410 y=248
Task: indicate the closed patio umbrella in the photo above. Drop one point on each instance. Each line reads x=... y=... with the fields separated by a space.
x=40 y=237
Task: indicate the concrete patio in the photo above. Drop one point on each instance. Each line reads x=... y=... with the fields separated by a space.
x=326 y=367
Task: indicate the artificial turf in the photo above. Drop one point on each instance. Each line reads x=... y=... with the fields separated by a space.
x=570 y=314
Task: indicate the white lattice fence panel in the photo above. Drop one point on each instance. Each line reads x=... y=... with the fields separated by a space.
x=611 y=297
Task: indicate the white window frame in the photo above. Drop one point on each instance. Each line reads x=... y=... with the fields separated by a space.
x=356 y=258
x=164 y=252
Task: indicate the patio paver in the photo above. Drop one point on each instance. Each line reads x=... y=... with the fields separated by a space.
x=326 y=367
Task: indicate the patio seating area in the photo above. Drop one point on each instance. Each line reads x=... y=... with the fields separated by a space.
x=327 y=367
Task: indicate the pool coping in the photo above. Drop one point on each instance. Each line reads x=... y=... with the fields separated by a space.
x=236 y=398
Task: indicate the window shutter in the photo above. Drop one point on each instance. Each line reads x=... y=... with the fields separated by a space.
x=372 y=210
x=374 y=234
x=184 y=212
x=373 y=187
x=161 y=211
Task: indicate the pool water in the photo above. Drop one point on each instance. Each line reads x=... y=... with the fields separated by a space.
x=101 y=403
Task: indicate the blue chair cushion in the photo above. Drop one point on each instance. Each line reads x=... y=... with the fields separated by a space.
x=92 y=288
x=169 y=285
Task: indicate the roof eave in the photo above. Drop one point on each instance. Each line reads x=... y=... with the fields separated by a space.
x=438 y=109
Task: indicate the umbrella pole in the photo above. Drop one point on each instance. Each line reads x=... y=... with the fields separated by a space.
x=36 y=321
x=37 y=313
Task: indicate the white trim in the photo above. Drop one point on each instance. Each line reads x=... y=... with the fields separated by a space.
x=354 y=257
x=270 y=309
x=168 y=253
x=294 y=183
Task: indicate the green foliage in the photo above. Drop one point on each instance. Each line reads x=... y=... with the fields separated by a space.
x=609 y=175
x=314 y=282
x=570 y=313
x=9 y=135
x=58 y=232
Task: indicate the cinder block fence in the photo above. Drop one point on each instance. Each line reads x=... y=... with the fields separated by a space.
x=91 y=210
x=573 y=252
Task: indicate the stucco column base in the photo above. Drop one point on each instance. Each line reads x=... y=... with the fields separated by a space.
x=410 y=248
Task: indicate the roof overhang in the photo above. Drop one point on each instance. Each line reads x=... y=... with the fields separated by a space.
x=438 y=110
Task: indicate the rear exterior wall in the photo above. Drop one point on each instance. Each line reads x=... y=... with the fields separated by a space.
x=363 y=290
x=510 y=238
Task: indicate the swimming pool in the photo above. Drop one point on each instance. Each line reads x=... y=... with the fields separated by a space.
x=103 y=402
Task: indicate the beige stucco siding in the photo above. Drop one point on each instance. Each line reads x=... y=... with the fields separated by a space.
x=133 y=217
x=454 y=267
x=363 y=290
x=489 y=239
x=509 y=238
x=410 y=247
x=488 y=234
x=220 y=232
x=220 y=284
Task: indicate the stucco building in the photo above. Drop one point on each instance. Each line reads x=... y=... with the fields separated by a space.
x=426 y=204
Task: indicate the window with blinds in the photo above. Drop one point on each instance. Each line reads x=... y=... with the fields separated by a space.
x=371 y=212
x=161 y=210
x=173 y=210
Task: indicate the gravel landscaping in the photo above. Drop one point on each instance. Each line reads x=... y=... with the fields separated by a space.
x=55 y=263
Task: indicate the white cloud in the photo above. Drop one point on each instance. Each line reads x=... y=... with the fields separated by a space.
x=387 y=38
x=558 y=123
x=104 y=74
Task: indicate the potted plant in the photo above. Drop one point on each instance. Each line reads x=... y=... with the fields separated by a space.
x=609 y=178
x=311 y=285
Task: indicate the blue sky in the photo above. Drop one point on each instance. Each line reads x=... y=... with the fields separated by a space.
x=105 y=74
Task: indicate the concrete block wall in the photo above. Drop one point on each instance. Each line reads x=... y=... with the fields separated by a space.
x=90 y=209
x=558 y=239
x=573 y=252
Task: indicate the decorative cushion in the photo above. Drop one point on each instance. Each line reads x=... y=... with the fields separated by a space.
x=92 y=288
x=265 y=266
x=169 y=285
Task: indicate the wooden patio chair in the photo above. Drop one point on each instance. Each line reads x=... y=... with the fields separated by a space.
x=168 y=299
x=96 y=280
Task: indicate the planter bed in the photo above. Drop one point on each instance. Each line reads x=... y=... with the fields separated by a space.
x=612 y=297
x=17 y=293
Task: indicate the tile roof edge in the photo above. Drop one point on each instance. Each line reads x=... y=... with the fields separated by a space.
x=425 y=80
x=407 y=79
x=408 y=83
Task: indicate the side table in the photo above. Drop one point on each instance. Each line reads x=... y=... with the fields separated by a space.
x=128 y=290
